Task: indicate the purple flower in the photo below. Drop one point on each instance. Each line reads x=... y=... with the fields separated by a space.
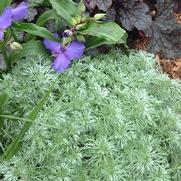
x=19 y=12
x=12 y=14
x=64 y=55
x=5 y=21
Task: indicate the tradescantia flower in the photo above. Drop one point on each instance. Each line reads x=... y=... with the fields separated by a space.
x=5 y=21
x=64 y=55
x=12 y=14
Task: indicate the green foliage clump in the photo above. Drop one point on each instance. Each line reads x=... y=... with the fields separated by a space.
x=111 y=118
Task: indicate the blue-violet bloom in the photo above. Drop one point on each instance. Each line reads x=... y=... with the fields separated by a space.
x=12 y=14
x=64 y=55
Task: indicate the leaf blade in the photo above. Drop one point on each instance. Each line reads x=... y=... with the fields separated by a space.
x=13 y=147
x=35 y=30
x=66 y=9
x=4 y=4
x=106 y=33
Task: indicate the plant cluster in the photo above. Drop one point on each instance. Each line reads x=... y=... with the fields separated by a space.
x=111 y=118
x=152 y=18
x=83 y=31
x=23 y=33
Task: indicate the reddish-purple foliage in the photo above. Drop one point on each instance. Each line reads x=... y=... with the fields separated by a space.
x=153 y=17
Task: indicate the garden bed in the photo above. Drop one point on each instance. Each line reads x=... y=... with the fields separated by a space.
x=114 y=117
x=68 y=112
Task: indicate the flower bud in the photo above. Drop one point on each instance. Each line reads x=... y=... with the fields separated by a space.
x=16 y=46
x=66 y=40
x=80 y=38
x=99 y=16
x=78 y=19
x=81 y=26
x=85 y=18
x=73 y=21
x=81 y=7
x=67 y=33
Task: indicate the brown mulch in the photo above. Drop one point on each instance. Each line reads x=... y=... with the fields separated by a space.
x=141 y=43
x=178 y=17
x=171 y=67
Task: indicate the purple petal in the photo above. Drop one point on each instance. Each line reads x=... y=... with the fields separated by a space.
x=19 y=12
x=53 y=46
x=61 y=63
x=5 y=18
x=74 y=50
x=1 y=35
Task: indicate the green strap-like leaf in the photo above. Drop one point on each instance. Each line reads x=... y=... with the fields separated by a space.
x=42 y=20
x=35 y=30
x=4 y=97
x=66 y=9
x=6 y=38
x=92 y=42
x=3 y=4
x=40 y=3
x=13 y=147
x=47 y=15
x=105 y=33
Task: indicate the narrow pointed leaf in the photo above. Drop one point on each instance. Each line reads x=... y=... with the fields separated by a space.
x=66 y=9
x=47 y=15
x=3 y=4
x=35 y=30
x=14 y=146
x=4 y=97
x=103 y=33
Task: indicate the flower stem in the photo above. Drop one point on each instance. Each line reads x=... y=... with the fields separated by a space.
x=14 y=35
x=6 y=59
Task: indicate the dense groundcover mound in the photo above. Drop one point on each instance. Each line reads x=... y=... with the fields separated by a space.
x=110 y=118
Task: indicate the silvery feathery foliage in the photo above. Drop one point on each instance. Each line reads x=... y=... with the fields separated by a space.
x=111 y=118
